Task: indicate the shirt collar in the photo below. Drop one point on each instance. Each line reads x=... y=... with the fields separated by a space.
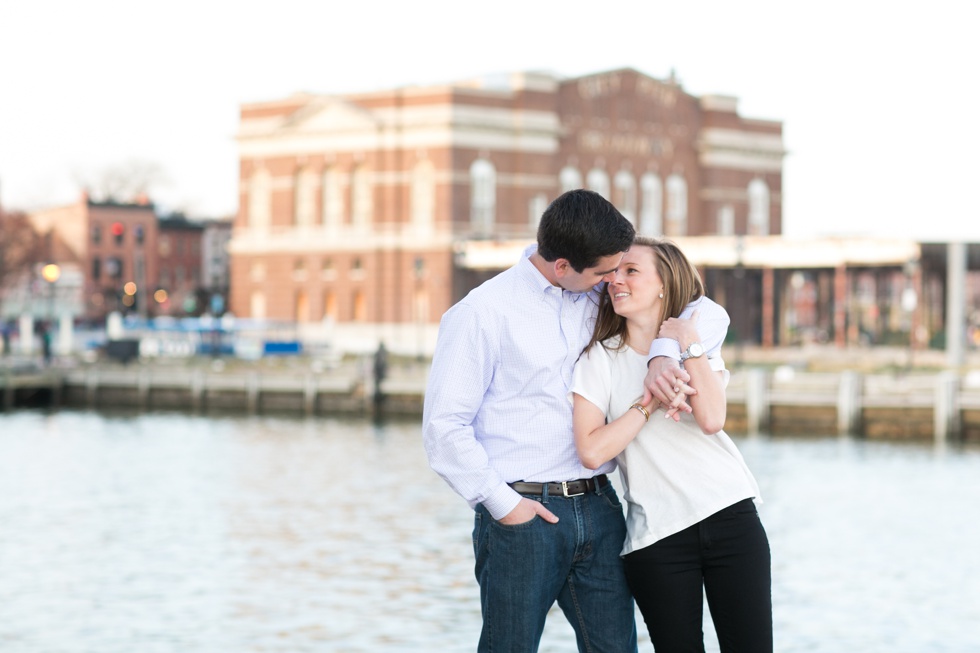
x=537 y=281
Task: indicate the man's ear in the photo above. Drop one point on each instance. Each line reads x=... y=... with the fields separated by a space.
x=562 y=267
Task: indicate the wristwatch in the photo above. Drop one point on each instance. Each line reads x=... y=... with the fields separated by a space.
x=695 y=350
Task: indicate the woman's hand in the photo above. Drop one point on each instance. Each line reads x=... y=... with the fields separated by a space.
x=683 y=330
x=708 y=404
x=666 y=385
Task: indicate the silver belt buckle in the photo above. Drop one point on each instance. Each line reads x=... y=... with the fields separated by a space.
x=564 y=490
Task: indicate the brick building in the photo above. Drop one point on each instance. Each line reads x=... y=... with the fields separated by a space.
x=112 y=244
x=179 y=254
x=123 y=253
x=371 y=213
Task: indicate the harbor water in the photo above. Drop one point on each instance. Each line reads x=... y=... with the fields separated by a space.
x=177 y=533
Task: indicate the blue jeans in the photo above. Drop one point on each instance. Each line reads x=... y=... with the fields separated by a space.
x=725 y=556
x=524 y=569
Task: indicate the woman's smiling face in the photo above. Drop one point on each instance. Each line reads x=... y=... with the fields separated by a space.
x=636 y=285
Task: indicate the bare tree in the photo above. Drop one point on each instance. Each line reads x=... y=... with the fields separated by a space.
x=21 y=248
x=123 y=182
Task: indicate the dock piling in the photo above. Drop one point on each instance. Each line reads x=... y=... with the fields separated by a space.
x=946 y=415
x=309 y=394
x=849 y=402
x=757 y=401
x=197 y=390
x=252 y=393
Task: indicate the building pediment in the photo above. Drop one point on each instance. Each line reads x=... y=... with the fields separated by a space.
x=627 y=83
x=330 y=114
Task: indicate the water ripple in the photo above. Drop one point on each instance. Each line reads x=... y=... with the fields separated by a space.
x=177 y=533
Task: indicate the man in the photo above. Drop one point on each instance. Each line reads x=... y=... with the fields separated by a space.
x=497 y=426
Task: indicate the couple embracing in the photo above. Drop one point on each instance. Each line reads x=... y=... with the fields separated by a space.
x=597 y=349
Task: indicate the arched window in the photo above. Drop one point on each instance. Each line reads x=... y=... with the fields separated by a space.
x=299 y=269
x=569 y=179
x=483 y=196
x=423 y=193
x=420 y=306
x=359 y=307
x=598 y=181
x=676 y=206
x=256 y=304
x=356 y=272
x=304 y=198
x=260 y=199
x=625 y=196
x=758 y=208
x=726 y=221
x=651 y=205
x=330 y=306
x=361 y=197
x=535 y=208
x=333 y=199
x=302 y=306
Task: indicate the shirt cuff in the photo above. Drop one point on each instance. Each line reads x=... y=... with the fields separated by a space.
x=502 y=501
x=665 y=347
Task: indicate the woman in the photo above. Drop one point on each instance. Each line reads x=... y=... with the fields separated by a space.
x=691 y=520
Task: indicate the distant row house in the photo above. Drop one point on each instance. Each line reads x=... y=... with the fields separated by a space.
x=124 y=257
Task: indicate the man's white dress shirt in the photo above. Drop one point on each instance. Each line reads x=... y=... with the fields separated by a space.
x=496 y=402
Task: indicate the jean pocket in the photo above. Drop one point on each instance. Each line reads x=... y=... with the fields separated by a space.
x=515 y=528
x=611 y=498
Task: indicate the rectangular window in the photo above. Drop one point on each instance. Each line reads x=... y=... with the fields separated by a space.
x=359 y=312
x=114 y=268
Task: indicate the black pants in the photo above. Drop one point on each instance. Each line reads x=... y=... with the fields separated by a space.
x=728 y=555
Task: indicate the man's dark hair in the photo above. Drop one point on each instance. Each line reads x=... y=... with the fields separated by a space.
x=582 y=227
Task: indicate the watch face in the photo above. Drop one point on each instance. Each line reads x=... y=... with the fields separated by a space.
x=696 y=349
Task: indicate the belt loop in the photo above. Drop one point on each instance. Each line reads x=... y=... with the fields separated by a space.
x=598 y=486
x=544 y=493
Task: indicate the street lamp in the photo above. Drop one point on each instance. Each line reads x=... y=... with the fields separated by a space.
x=51 y=273
x=129 y=295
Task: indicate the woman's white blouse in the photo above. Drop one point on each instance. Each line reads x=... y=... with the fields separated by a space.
x=673 y=474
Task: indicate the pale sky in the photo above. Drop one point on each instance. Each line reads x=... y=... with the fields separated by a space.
x=879 y=100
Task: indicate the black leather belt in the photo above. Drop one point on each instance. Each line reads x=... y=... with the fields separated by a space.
x=563 y=489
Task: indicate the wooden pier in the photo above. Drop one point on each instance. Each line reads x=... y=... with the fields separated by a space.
x=937 y=406
x=914 y=406
x=21 y=386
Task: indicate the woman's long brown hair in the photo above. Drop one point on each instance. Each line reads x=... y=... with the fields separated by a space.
x=682 y=285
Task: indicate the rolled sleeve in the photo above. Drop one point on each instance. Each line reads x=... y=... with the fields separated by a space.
x=462 y=368
x=712 y=325
x=501 y=501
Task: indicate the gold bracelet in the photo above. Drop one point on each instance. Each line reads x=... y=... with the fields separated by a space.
x=646 y=413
